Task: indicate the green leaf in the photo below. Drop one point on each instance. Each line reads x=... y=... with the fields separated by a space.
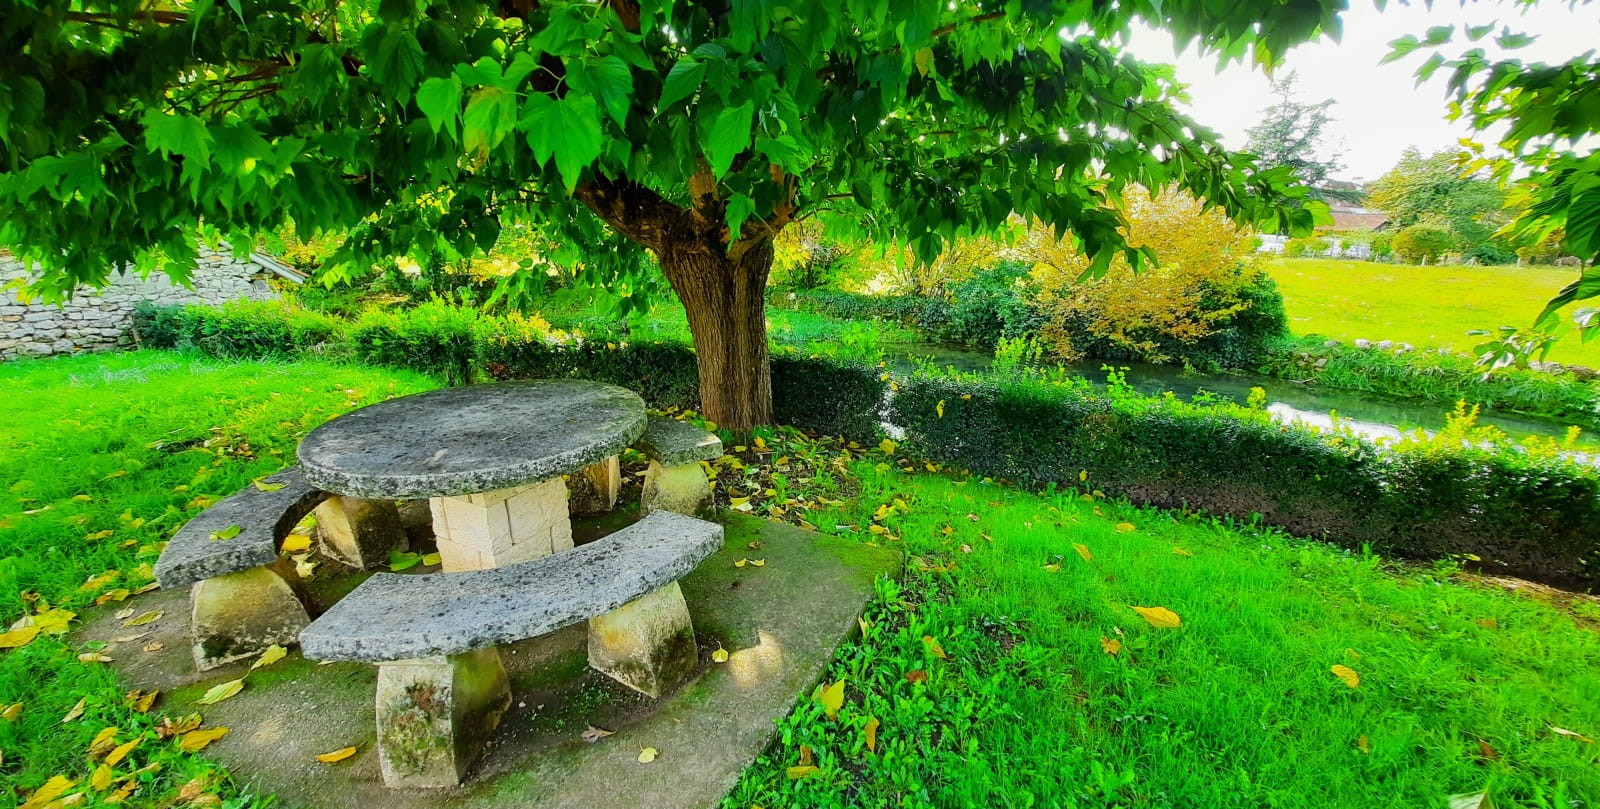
x=683 y=80
x=440 y=100
x=568 y=130
x=403 y=560
x=225 y=534
x=730 y=135
x=179 y=134
x=1511 y=41
x=739 y=208
x=1401 y=48
x=613 y=81
x=491 y=115
x=394 y=59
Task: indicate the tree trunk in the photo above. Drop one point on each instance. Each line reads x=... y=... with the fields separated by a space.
x=725 y=300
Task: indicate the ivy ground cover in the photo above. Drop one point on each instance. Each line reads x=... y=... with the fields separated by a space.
x=1041 y=649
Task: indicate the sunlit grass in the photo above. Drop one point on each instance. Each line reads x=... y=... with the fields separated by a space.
x=1429 y=307
x=1237 y=707
x=102 y=458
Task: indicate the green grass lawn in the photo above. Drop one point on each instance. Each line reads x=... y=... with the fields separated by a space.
x=985 y=673
x=1431 y=307
x=103 y=457
x=1009 y=622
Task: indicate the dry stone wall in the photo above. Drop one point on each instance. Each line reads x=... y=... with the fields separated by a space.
x=99 y=320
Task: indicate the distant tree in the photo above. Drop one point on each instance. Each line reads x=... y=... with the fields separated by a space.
x=1420 y=243
x=1441 y=191
x=1291 y=134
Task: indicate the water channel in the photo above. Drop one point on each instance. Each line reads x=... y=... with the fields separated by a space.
x=1369 y=414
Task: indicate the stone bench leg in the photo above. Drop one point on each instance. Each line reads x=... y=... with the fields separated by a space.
x=594 y=488
x=681 y=489
x=239 y=615
x=495 y=529
x=647 y=644
x=436 y=713
x=360 y=533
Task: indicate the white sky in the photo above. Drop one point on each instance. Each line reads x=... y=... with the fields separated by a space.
x=1379 y=110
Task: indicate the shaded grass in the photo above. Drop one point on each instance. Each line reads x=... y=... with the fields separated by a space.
x=1429 y=307
x=1237 y=707
x=119 y=451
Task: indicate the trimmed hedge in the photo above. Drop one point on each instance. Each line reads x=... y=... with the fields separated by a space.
x=1531 y=515
x=1528 y=513
x=462 y=345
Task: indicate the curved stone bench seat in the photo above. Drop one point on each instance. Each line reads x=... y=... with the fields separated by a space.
x=675 y=480
x=441 y=686
x=395 y=617
x=242 y=599
x=258 y=520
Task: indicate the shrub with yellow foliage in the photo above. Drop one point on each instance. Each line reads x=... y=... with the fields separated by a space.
x=1206 y=300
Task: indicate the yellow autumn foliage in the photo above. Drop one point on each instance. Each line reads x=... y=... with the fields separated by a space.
x=1205 y=261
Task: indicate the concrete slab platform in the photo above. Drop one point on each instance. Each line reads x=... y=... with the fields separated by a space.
x=780 y=624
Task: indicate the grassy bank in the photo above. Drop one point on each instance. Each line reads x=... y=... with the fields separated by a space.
x=1430 y=307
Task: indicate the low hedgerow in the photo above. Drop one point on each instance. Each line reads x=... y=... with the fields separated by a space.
x=1435 y=376
x=1529 y=511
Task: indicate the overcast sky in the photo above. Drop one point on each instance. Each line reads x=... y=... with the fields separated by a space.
x=1379 y=109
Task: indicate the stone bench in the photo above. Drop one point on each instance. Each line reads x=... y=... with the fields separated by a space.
x=675 y=480
x=242 y=598
x=441 y=686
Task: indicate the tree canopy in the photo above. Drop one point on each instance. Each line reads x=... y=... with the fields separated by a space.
x=1291 y=135
x=1438 y=191
x=694 y=130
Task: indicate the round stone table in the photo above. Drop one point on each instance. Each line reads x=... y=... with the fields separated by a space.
x=490 y=458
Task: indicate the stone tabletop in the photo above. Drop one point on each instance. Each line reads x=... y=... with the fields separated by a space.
x=473 y=439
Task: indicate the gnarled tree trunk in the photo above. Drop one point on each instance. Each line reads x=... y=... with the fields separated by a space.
x=725 y=300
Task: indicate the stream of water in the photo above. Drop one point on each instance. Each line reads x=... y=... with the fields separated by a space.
x=1369 y=414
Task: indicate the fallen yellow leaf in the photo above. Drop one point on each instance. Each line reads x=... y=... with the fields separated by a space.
x=337 y=756
x=1347 y=674
x=12 y=712
x=1181 y=552
x=802 y=771
x=647 y=755
x=1126 y=528
x=1362 y=745
x=1083 y=550
x=1160 y=617
x=93 y=657
x=1052 y=567
x=933 y=647
x=832 y=699
x=273 y=654
x=122 y=751
x=939 y=408
x=1110 y=646
x=147 y=618
x=47 y=793
x=17 y=638
x=296 y=543
x=719 y=656
x=887 y=446
x=196 y=740
x=101 y=780
x=221 y=691
x=872 y=734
